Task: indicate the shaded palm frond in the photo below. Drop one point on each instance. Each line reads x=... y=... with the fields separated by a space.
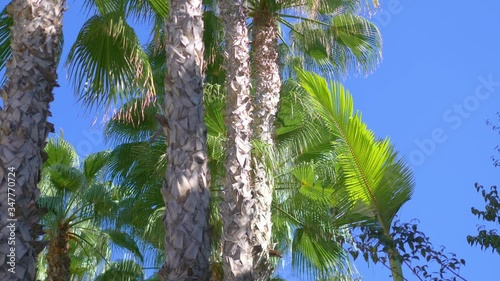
x=5 y=50
x=107 y=63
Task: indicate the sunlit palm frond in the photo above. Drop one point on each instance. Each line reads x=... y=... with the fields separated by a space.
x=93 y=164
x=373 y=175
x=61 y=152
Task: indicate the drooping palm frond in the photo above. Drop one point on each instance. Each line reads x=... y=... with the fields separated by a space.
x=5 y=50
x=342 y=44
x=122 y=270
x=134 y=122
x=107 y=63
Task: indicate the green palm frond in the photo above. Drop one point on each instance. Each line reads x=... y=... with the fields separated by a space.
x=373 y=175
x=346 y=43
x=134 y=122
x=61 y=152
x=5 y=51
x=124 y=241
x=65 y=178
x=123 y=270
x=213 y=37
x=312 y=250
x=308 y=227
x=107 y=63
x=93 y=164
x=138 y=164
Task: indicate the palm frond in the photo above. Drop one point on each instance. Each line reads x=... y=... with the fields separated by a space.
x=93 y=165
x=5 y=50
x=123 y=240
x=123 y=270
x=59 y=151
x=345 y=43
x=372 y=173
x=107 y=64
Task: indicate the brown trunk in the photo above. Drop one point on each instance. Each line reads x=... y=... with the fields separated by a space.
x=267 y=89
x=58 y=256
x=31 y=76
x=185 y=190
x=238 y=205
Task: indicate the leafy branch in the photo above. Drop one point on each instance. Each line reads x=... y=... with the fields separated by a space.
x=417 y=252
x=491 y=213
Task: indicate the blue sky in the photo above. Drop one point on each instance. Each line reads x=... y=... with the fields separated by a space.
x=423 y=96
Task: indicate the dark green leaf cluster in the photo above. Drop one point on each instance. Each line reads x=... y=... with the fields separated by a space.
x=491 y=213
x=417 y=252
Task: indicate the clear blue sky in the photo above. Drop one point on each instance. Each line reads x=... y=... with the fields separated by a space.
x=433 y=58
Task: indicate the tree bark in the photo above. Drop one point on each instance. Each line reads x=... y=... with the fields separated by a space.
x=31 y=76
x=58 y=256
x=238 y=206
x=185 y=189
x=267 y=90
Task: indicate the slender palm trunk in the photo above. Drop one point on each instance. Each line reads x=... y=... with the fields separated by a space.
x=395 y=264
x=238 y=206
x=58 y=258
x=267 y=89
x=31 y=77
x=185 y=190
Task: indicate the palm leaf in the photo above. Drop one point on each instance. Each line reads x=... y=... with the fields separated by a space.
x=5 y=51
x=93 y=164
x=61 y=152
x=344 y=43
x=124 y=270
x=107 y=64
x=373 y=174
x=123 y=240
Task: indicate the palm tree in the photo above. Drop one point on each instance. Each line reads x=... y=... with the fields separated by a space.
x=376 y=181
x=345 y=41
x=238 y=205
x=35 y=43
x=79 y=203
x=186 y=187
x=139 y=148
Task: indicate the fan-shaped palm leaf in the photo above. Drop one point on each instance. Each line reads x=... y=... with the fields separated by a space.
x=107 y=63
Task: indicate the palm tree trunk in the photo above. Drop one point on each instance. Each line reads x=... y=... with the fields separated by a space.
x=238 y=205
x=27 y=93
x=267 y=90
x=58 y=256
x=185 y=189
x=395 y=264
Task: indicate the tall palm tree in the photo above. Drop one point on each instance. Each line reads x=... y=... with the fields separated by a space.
x=79 y=205
x=346 y=40
x=35 y=43
x=186 y=187
x=238 y=205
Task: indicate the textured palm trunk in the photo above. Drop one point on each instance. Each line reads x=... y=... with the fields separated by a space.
x=238 y=206
x=267 y=89
x=27 y=93
x=185 y=190
x=58 y=256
